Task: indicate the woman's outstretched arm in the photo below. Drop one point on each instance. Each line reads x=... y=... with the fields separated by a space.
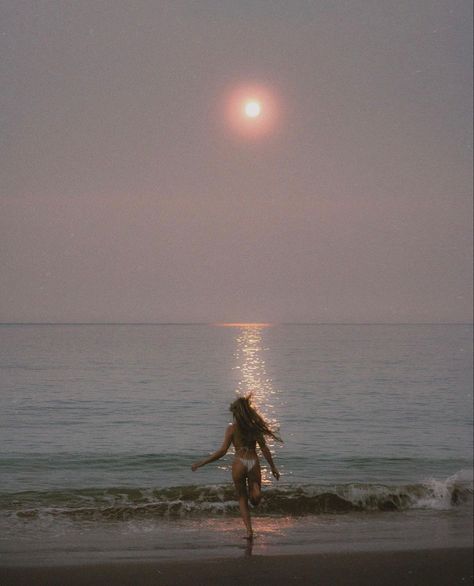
x=222 y=451
x=268 y=457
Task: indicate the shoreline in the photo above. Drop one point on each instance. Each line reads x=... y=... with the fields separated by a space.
x=437 y=567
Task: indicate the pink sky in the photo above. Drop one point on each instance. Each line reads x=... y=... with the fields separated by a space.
x=128 y=196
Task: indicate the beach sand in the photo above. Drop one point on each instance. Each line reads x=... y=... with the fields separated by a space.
x=438 y=567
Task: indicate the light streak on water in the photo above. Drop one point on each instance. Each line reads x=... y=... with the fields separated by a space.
x=252 y=378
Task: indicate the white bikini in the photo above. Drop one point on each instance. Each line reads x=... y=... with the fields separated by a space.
x=249 y=463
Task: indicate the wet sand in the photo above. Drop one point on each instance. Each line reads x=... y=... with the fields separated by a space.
x=439 y=567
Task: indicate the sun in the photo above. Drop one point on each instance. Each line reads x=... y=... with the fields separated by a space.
x=252 y=109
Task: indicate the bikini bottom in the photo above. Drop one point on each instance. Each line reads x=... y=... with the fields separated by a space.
x=248 y=463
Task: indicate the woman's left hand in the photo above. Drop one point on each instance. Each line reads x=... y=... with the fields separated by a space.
x=276 y=474
x=194 y=467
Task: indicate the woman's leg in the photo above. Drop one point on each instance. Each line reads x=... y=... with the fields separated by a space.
x=239 y=476
x=255 y=483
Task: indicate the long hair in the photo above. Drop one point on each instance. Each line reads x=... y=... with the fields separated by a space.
x=251 y=424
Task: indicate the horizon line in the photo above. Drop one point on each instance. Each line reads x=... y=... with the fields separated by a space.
x=230 y=324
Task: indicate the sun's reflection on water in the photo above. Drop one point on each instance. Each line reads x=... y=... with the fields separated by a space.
x=251 y=377
x=269 y=532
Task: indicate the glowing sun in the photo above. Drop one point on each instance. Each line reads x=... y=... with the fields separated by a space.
x=253 y=109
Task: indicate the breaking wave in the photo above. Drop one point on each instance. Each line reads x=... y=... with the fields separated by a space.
x=119 y=504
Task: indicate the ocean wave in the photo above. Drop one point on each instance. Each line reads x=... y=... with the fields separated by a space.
x=120 y=504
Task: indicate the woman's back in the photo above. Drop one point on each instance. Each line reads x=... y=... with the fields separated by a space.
x=243 y=439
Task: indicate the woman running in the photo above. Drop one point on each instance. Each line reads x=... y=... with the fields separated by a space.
x=246 y=431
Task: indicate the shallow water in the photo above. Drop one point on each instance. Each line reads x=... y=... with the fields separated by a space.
x=99 y=425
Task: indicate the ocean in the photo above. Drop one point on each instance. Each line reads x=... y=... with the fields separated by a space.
x=99 y=426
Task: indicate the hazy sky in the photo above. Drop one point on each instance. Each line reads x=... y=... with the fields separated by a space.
x=127 y=195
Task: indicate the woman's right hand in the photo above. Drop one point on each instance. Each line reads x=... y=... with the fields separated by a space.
x=194 y=467
x=275 y=473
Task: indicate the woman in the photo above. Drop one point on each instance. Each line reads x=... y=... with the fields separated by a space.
x=246 y=431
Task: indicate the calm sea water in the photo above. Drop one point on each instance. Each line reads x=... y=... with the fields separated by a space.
x=99 y=425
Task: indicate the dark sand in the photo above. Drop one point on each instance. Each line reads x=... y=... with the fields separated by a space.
x=423 y=568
